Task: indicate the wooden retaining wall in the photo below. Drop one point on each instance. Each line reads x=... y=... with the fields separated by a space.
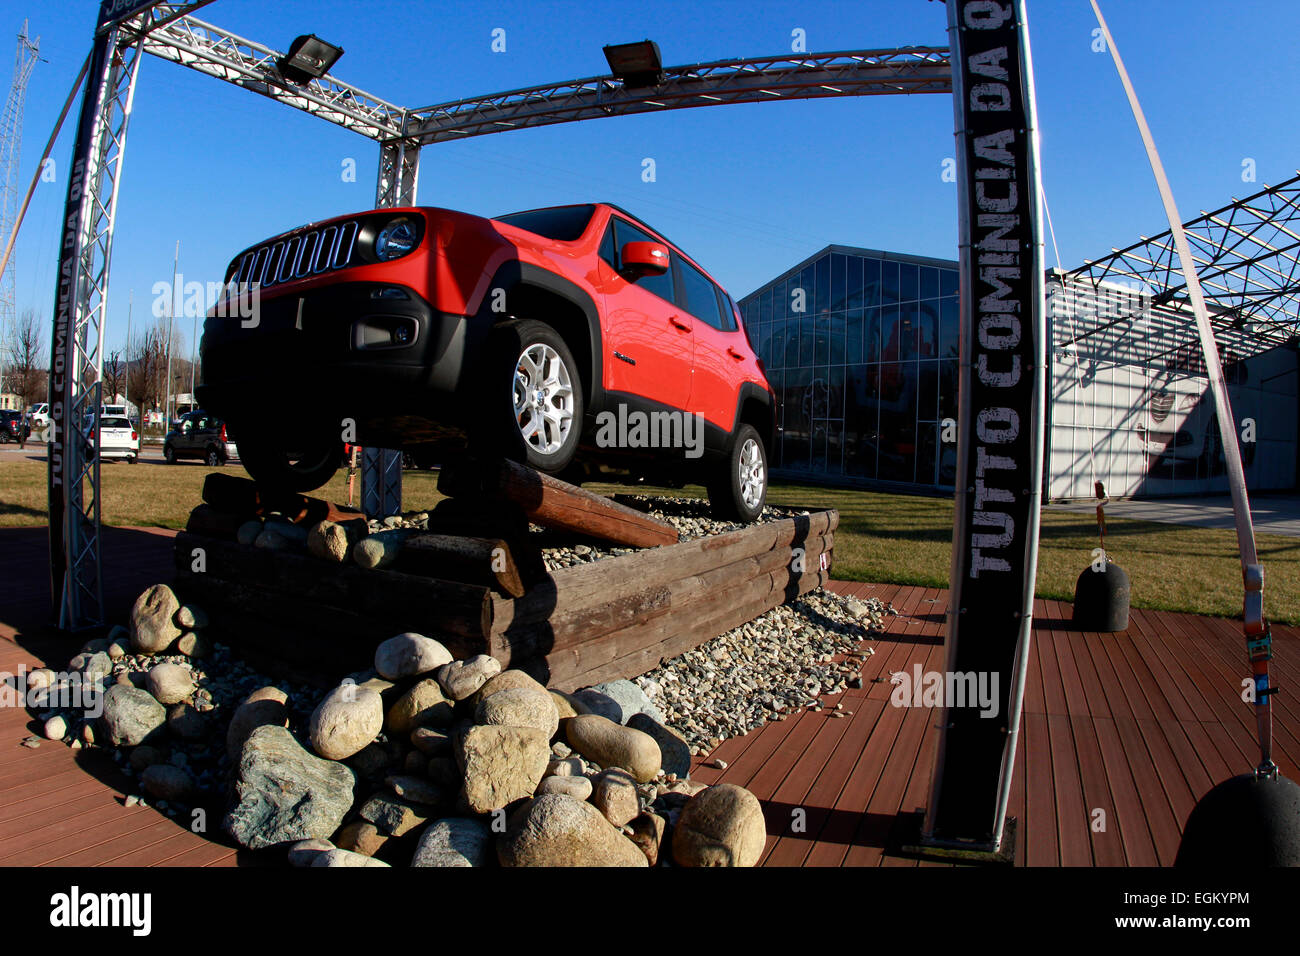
x=309 y=619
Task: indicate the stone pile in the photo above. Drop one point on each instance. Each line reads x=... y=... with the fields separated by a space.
x=424 y=760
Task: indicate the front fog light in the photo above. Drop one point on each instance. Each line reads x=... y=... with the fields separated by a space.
x=396 y=239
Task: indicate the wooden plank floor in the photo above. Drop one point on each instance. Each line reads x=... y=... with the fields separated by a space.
x=1129 y=729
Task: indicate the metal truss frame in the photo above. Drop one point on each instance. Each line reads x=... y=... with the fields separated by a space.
x=1248 y=261
x=753 y=80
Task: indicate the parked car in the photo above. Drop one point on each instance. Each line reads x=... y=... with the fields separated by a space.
x=11 y=422
x=117 y=438
x=202 y=436
x=523 y=334
x=40 y=416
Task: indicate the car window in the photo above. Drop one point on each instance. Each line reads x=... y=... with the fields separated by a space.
x=729 y=320
x=608 y=250
x=114 y=423
x=660 y=285
x=561 y=223
x=698 y=296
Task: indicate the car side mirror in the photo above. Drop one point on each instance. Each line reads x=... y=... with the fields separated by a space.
x=641 y=259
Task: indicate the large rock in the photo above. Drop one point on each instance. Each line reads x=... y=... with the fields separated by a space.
x=454 y=841
x=361 y=836
x=614 y=795
x=556 y=830
x=186 y=723
x=520 y=707
x=630 y=698
x=424 y=705
x=283 y=794
x=611 y=745
x=674 y=751
x=348 y=719
x=393 y=816
x=131 y=716
x=163 y=781
x=460 y=679
x=648 y=833
x=328 y=540
x=410 y=655
x=594 y=702
x=506 y=680
x=170 y=683
x=337 y=857
x=720 y=826
x=152 y=627
x=304 y=852
x=430 y=742
x=501 y=765
x=577 y=787
x=190 y=617
x=266 y=706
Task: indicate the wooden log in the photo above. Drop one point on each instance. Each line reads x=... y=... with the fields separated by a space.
x=212 y=523
x=592 y=583
x=487 y=561
x=557 y=504
x=243 y=496
x=440 y=606
x=570 y=674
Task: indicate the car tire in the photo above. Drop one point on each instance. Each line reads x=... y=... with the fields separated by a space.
x=738 y=487
x=531 y=396
x=274 y=466
x=169 y=454
x=215 y=459
x=132 y=459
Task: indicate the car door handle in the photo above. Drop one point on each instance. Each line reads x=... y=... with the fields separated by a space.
x=734 y=354
x=678 y=323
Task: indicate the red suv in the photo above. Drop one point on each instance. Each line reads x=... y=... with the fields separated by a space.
x=573 y=338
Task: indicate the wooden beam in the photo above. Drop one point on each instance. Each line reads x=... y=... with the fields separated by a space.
x=243 y=496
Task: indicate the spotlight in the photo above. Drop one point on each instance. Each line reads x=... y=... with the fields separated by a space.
x=638 y=65
x=309 y=58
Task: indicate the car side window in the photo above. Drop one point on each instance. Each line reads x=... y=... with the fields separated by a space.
x=608 y=250
x=660 y=285
x=729 y=321
x=699 y=295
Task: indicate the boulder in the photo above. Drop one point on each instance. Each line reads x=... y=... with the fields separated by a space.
x=131 y=716
x=720 y=826
x=162 y=781
x=266 y=706
x=348 y=719
x=328 y=540
x=152 y=628
x=337 y=857
x=247 y=532
x=611 y=745
x=614 y=794
x=460 y=679
x=194 y=645
x=283 y=794
x=520 y=707
x=557 y=830
x=304 y=852
x=648 y=833
x=415 y=789
x=186 y=723
x=281 y=536
x=674 y=751
x=410 y=655
x=506 y=680
x=191 y=618
x=577 y=787
x=170 y=683
x=431 y=743
x=360 y=836
x=630 y=698
x=454 y=841
x=501 y=765
x=424 y=705
x=393 y=816
x=594 y=702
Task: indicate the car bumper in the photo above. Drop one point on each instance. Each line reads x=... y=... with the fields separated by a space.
x=341 y=351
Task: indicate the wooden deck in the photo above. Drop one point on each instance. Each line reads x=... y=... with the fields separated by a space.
x=1138 y=725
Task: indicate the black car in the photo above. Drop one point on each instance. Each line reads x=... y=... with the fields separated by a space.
x=10 y=423
x=199 y=435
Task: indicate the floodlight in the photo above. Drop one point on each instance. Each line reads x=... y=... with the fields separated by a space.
x=636 y=64
x=309 y=58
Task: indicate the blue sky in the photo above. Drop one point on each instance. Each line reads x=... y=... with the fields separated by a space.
x=748 y=190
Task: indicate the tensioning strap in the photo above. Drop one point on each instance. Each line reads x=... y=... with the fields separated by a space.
x=1258 y=640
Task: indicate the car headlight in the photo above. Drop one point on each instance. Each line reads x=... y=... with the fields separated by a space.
x=396 y=239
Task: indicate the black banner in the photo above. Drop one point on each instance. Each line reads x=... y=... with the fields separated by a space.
x=1000 y=452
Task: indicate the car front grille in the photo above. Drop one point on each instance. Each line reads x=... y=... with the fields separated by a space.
x=297 y=256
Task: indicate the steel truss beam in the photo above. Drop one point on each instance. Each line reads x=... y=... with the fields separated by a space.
x=1247 y=257
x=754 y=80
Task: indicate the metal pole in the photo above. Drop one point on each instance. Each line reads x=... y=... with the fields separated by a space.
x=126 y=387
x=171 y=325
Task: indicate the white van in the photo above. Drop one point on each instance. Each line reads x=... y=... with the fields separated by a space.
x=40 y=415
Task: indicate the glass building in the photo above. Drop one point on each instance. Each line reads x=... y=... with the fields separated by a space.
x=861 y=347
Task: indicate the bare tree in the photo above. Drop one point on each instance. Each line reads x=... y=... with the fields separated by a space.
x=25 y=358
x=114 y=376
x=146 y=367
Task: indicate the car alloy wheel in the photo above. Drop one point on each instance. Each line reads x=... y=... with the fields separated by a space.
x=753 y=473
x=169 y=455
x=214 y=458
x=543 y=398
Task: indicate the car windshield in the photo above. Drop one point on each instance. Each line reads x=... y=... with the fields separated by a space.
x=561 y=223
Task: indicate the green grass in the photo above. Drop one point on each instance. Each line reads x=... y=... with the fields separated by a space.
x=887 y=538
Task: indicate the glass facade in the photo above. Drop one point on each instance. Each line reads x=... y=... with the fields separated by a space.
x=861 y=348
